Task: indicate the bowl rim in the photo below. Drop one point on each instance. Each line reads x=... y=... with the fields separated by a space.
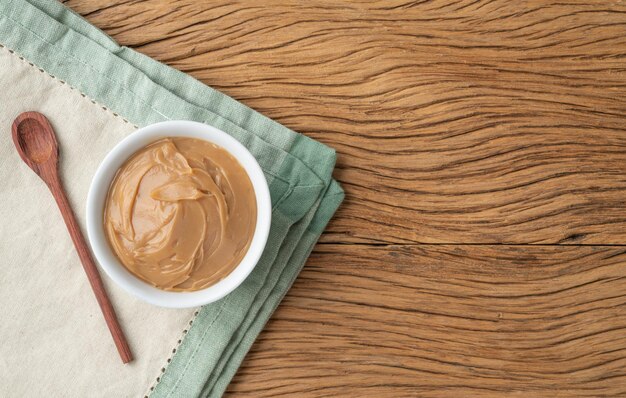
x=96 y=198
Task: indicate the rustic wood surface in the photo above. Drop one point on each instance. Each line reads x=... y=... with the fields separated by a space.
x=481 y=249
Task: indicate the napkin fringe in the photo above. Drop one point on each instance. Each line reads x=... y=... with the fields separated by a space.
x=63 y=82
x=169 y=359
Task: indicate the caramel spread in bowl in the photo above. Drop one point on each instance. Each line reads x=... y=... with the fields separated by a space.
x=180 y=214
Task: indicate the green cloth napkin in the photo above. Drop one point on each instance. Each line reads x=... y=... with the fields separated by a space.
x=298 y=171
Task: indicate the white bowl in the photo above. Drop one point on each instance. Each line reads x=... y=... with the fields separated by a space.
x=97 y=196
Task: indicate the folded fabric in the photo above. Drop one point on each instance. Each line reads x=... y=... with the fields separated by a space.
x=143 y=91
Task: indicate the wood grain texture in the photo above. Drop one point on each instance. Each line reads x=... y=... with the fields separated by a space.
x=447 y=321
x=482 y=122
x=482 y=147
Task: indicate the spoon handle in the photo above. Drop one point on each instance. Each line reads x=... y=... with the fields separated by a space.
x=90 y=269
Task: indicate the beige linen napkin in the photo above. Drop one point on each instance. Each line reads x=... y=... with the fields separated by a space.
x=67 y=350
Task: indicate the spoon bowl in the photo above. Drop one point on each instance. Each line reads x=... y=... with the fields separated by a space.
x=35 y=141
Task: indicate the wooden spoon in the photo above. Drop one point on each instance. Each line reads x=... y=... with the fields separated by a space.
x=36 y=144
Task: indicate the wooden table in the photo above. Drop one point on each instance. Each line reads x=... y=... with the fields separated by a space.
x=481 y=248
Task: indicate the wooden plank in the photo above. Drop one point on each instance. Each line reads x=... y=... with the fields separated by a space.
x=446 y=321
x=456 y=122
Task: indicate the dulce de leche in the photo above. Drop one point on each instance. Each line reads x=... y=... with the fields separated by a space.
x=180 y=214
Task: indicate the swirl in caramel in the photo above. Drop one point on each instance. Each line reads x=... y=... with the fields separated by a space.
x=180 y=214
